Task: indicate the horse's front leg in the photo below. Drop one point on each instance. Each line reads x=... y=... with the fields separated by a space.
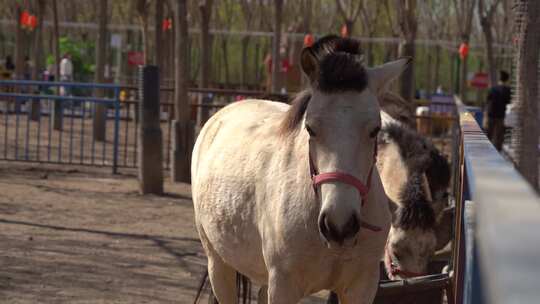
x=362 y=290
x=281 y=288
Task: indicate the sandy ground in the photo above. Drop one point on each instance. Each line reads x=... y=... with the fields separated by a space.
x=70 y=235
x=73 y=237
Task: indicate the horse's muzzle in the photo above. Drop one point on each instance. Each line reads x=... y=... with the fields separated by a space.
x=334 y=234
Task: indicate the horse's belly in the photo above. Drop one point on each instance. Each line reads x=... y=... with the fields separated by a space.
x=237 y=243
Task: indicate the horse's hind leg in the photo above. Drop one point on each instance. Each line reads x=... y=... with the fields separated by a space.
x=223 y=279
x=222 y=276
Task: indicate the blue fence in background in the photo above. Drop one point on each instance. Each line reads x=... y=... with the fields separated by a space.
x=53 y=122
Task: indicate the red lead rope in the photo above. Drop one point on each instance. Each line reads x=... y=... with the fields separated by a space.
x=349 y=179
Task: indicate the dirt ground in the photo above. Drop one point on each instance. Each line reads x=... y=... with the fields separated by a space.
x=71 y=235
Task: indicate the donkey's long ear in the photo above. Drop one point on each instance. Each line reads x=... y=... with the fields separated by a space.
x=310 y=64
x=381 y=76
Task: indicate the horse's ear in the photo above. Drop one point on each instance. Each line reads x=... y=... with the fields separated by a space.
x=443 y=229
x=310 y=64
x=381 y=76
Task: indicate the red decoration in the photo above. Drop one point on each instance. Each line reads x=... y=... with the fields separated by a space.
x=344 y=31
x=28 y=21
x=32 y=21
x=463 y=51
x=308 y=40
x=285 y=65
x=166 y=25
x=135 y=58
x=24 y=18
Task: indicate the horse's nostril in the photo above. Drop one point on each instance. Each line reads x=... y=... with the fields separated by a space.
x=351 y=228
x=323 y=226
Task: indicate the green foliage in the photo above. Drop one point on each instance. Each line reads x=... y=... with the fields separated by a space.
x=81 y=56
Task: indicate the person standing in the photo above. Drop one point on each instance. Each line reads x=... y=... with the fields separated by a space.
x=66 y=72
x=497 y=100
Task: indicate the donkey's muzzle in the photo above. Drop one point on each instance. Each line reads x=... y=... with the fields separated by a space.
x=334 y=234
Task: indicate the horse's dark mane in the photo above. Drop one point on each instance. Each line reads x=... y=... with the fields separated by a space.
x=420 y=156
x=340 y=68
x=295 y=113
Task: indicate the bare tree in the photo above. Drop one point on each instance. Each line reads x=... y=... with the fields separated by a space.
x=434 y=17
x=57 y=106
x=158 y=48
x=408 y=26
x=392 y=50
x=100 y=115
x=225 y=22
x=485 y=15
x=276 y=45
x=19 y=44
x=464 y=12
x=370 y=16
x=349 y=13
x=38 y=54
x=182 y=128
x=143 y=7
x=205 y=10
x=248 y=12
x=525 y=135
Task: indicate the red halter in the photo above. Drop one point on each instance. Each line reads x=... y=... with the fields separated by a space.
x=346 y=178
x=395 y=269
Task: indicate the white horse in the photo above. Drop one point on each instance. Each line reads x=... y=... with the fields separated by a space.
x=261 y=207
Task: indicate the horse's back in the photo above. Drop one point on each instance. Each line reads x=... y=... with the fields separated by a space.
x=234 y=126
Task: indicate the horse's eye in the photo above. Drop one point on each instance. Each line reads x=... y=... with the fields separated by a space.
x=374 y=133
x=310 y=131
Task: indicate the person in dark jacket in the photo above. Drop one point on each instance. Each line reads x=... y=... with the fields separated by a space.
x=497 y=100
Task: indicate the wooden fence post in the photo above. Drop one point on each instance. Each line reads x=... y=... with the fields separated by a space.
x=150 y=157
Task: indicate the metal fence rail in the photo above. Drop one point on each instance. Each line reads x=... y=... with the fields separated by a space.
x=496 y=257
x=35 y=139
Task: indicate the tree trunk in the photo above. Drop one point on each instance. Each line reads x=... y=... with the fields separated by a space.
x=406 y=86
x=38 y=54
x=463 y=74
x=142 y=10
x=276 y=58
x=429 y=73
x=226 y=60
x=182 y=131
x=436 y=77
x=57 y=105
x=526 y=133
x=158 y=45
x=100 y=114
x=205 y=9
x=20 y=48
x=244 y=76
x=488 y=36
x=349 y=25
x=369 y=52
x=408 y=25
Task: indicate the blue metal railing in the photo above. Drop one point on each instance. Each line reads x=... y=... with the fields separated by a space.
x=29 y=93
x=497 y=223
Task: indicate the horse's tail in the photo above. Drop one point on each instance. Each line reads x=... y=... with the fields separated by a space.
x=243 y=287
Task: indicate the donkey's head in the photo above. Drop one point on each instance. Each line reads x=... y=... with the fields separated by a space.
x=415 y=177
x=342 y=119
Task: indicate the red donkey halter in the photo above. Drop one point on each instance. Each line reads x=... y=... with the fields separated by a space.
x=395 y=269
x=320 y=178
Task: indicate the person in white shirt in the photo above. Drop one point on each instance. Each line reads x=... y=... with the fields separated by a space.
x=66 y=72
